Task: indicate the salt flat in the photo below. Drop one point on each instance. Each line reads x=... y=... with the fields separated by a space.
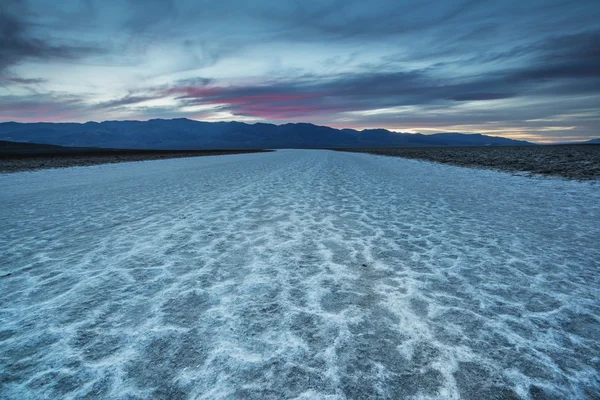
x=297 y=274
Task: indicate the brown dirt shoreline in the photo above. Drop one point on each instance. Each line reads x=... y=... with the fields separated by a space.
x=579 y=162
x=45 y=157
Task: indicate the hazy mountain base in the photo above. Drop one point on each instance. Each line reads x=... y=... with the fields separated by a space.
x=185 y=134
x=580 y=162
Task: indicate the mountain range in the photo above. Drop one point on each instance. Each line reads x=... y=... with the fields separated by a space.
x=186 y=134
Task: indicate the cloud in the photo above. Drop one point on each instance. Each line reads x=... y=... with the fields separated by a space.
x=568 y=56
x=482 y=96
x=560 y=65
x=340 y=93
x=145 y=14
x=7 y=80
x=125 y=101
x=34 y=108
x=27 y=81
x=343 y=20
x=18 y=42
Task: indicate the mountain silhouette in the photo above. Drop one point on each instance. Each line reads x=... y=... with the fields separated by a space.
x=185 y=134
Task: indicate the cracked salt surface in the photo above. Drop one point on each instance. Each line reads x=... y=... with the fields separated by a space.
x=297 y=274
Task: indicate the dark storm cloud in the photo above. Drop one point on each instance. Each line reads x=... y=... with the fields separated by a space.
x=18 y=43
x=568 y=56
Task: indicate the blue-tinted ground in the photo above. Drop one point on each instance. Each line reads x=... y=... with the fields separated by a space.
x=297 y=274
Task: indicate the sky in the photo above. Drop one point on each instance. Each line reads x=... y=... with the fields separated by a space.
x=525 y=69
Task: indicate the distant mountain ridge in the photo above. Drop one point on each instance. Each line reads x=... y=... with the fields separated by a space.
x=185 y=134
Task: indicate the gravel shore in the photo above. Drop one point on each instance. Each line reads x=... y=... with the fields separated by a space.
x=17 y=162
x=580 y=162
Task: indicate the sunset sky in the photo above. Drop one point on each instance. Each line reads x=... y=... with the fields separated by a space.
x=526 y=69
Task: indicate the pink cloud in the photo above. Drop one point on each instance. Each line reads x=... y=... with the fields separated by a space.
x=270 y=106
x=38 y=112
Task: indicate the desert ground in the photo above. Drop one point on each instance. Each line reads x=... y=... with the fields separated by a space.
x=16 y=157
x=568 y=161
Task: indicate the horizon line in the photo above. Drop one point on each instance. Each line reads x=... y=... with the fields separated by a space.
x=399 y=131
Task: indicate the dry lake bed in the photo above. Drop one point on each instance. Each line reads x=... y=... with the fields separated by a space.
x=298 y=274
